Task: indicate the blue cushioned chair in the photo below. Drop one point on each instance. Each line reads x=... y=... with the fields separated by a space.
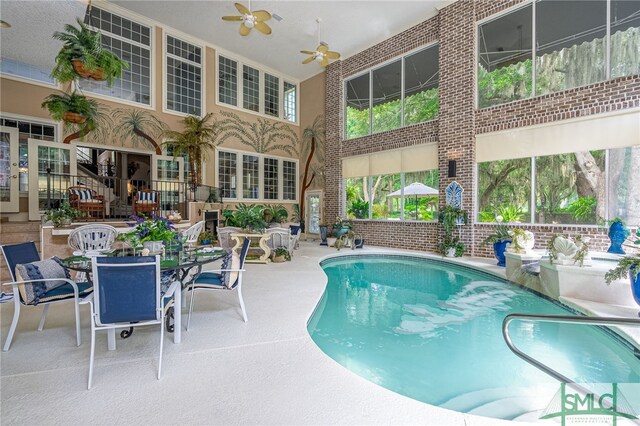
x=222 y=279
x=24 y=253
x=128 y=293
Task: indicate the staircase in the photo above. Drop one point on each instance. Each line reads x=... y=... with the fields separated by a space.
x=17 y=232
x=520 y=404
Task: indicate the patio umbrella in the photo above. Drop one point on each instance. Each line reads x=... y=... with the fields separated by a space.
x=416 y=189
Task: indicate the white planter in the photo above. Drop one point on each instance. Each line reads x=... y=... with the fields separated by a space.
x=451 y=252
x=331 y=241
x=153 y=246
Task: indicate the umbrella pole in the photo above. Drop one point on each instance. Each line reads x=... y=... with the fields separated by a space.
x=416 y=200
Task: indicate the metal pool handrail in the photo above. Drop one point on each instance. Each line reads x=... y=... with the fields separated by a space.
x=570 y=319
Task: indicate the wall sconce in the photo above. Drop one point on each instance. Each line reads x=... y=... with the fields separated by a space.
x=452 y=166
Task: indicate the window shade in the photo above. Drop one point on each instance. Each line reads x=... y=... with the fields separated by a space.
x=412 y=159
x=617 y=130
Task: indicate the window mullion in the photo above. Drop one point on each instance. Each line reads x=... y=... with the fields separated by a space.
x=533 y=190
x=608 y=43
x=370 y=102
x=402 y=92
x=534 y=45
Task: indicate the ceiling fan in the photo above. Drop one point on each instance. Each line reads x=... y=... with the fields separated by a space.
x=250 y=19
x=322 y=54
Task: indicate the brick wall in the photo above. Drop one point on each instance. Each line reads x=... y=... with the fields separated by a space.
x=457 y=124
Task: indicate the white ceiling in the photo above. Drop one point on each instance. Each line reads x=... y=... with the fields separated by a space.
x=347 y=26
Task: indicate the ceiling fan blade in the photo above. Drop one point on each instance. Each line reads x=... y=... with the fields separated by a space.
x=322 y=48
x=324 y=62
x=261 y=15
x=232 y=18
x=242 y=9
x=332 y=55
x=244 y=30
x=308 y=60
x=307 y=52
x=263 y=28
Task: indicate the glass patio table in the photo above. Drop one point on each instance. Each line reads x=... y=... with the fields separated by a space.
x=184 y=267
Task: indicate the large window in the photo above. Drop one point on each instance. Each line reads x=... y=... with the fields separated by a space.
x=263 y=177
x=271 y=95
x=9 y=66
x=28 y=129
x=399 y=196
x=252 y=89
x=400 y=93
x=184 y=77
x=227 y=81
x=571 y=48
x=571 y=188
x=131 y=42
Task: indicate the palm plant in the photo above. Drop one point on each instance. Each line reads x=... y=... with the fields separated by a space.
x=82 y=55
x=197 y=138
x=312 y=137
x=137 y=125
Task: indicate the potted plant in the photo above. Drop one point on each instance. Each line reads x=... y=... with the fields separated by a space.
x=628 y=266
x=280 y=255
x=273 y=213
x=450 y=217
x=250 y=218
x=62 y=216
x=522 y=241
x=151 y=233
x=566 y=251
x=500 y=238
x=341 y=227
x=206 y=238
x=72 y=108
x=82 y=55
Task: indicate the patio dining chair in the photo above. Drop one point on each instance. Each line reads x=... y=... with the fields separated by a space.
x=229 y=277
x=91 y=237
x=279 y=237
x=51 y=284
x=128 y=293
x=193 y=233
x=224 y=237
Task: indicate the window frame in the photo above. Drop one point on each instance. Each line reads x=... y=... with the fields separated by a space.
x=262 y=71
x=533 y=4
x=240 y=172
x=203 y=72
x=532 y=201
x=33 y=120
x=122 y=13
x=370 y=71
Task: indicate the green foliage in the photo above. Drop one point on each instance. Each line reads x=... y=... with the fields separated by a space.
x=359 y=209
x=625 y=265
x=136 y=125
x=273 y=213
x=504 y=183
x=504 y=84
x=250 y=218
x=145 y=229
x=282 y=251
x=206 y=236
x=229 y=218
x=419 y=107
x=583 y=208
x=196 y=140
x=62 y=213
x=449 y=217
x=295 y=214
x=58 y=105
x=80 y=43
x=501 y=234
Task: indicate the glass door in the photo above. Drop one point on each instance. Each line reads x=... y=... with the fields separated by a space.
x=168 y=179
x=56 y=171
x=9 y=170
x=313 y=211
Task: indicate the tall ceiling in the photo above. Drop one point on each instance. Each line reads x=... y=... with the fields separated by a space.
x=347 y=26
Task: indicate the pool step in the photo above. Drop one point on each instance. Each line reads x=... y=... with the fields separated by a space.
x=524 y=404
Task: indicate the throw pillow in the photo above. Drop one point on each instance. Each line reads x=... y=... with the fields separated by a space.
x=230 y=266
x=42 y=269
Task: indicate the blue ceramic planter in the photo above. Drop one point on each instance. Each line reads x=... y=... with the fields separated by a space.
x=338 y=232
x=618 y=233
x=324 y=233
x=498 y=251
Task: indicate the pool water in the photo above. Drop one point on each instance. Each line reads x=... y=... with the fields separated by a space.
x=431 y=331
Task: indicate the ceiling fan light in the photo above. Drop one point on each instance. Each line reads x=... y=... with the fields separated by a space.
x=249 y=21
x=319 y=57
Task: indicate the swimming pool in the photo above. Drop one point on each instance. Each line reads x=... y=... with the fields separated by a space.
x=431 y=330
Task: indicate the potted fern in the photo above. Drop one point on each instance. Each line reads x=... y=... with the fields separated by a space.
x=500 y=238
x=72 y=108
x=628 y=266
x=82 y=55
x=450 y=217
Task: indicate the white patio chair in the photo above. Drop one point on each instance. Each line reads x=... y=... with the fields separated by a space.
x=224 y=237
x=91 y=237
x=128 y=294
x=24 y=254
x=279 y=237
x=193 y=233
x=227 y=278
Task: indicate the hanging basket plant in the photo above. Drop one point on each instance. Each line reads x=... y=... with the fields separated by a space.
x=82 y=55
x=71 y=107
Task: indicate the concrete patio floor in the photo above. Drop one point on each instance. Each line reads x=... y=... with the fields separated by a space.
x=225 y=371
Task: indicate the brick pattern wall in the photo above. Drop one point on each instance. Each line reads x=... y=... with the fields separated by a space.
x=457 y=124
